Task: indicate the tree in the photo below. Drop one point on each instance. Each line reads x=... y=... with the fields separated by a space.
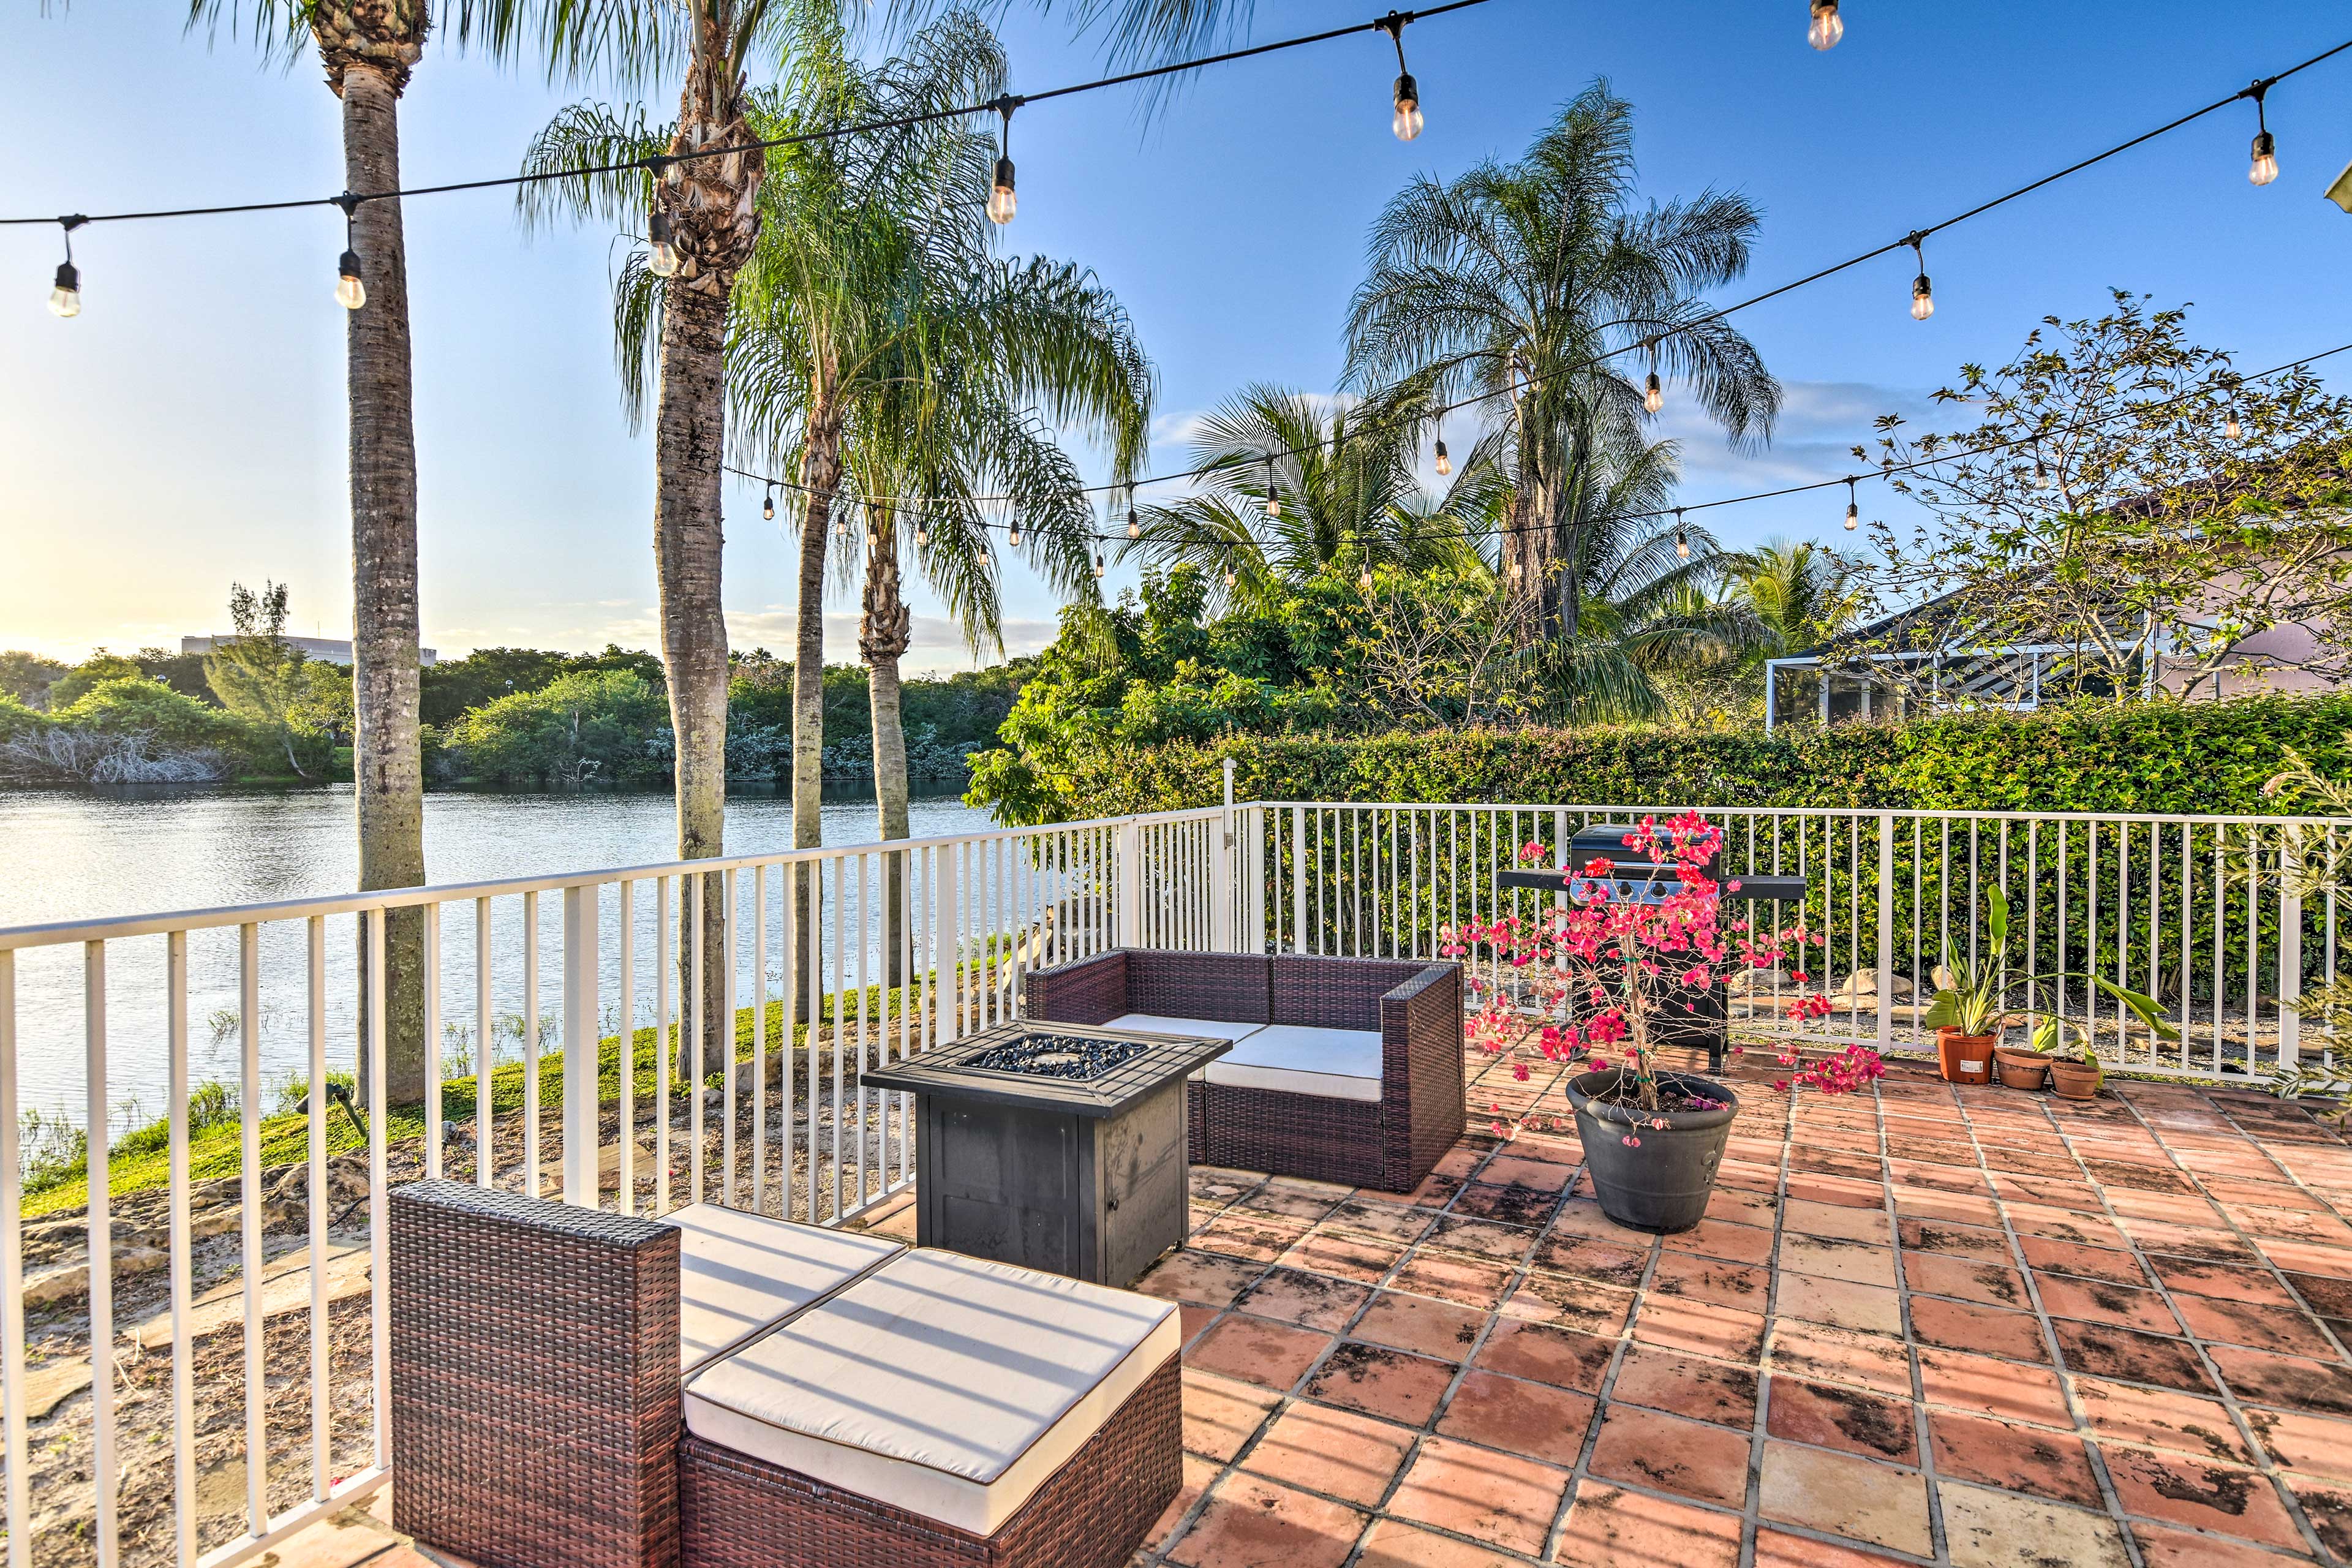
x=99 y=667
x=1512 y=283
x=369 y=47
x=256 y=675
x=2128 y=503
x=27 y=676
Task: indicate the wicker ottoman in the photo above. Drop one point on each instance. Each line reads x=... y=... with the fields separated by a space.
x=942 y=1410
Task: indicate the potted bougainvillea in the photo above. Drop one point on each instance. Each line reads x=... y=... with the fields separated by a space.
x=1612 y=975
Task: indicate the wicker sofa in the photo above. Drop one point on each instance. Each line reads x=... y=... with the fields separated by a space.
x=1343 y=1069
x=575 y=1389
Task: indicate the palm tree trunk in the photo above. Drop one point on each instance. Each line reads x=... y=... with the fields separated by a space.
x=820 y=478
x=690 y=432
x=387 y=753
x=884 y=634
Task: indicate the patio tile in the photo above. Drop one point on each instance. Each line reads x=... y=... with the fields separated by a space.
x=1840 y=1303
x=2316 y=1444
x=1967 y=1278
x=1238 y=1234
x=1723 y=1239
x=1839 y=1494
x=1199 y=1277
x=1198 y=1476
x=2329 y=1297
x=1832 y=1416
x=1508 y=1412
x=1310 y=1301
x=1836 y=1221
x=2294 y=1382
x=2259 y=1324
x=2083 y=1262
x=1387 y=1221
x=2001 y=1389
x=1709 y=1279
x=2329 y=1508
x=2016 y=1458
x=1584 y=1304
x=1278 y=1200
x=2187 y=1275
x=1844 y=1191
x=1344 y=1256
x=1724 y=1332
x=1421 y=1323
x=1688 y=1385
x=1690 y=1458
x=1384 y=1382
x=1831 y=1257
x=1561 y=1357
x=1471 y=1282
x=1775 y=1549
x=1257 y=1350
x=1514 y=1205
x=1221 y=1414
x=1964 y=1326
x=1393 y=1543
x=2161 y=1546
x=2009 y=1529
x=1822 y=1354
x=1951 y=1208
x=2179 y=1490
x=1500 y=1499
x=1481 y=1239
x=346 y=1537
x=1610 y=1527
x=1739 y=1207
x=1980 y=1243
x=2161 y=1418
x=2061 y=1224
x=1588 y=1258
x=1251 y=1523
x=1351 y=1457
x=2099 y=1301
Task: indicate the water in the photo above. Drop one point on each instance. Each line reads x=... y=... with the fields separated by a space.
x=72 y=855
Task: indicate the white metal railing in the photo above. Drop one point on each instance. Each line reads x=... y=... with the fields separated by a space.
x=900 y=946
x=2190 y=910
x=818 y=961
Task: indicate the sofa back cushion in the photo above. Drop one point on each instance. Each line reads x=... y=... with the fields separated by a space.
x=1232 y=986
x=1334 y=993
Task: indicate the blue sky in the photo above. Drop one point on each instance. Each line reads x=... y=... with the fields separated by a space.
x=188 y=428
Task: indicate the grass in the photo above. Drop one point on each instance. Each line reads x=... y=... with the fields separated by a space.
x=141 y=1161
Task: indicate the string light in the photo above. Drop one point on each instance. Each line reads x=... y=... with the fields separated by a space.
x=2265 y=164
x=1012 y=535
x=65 y=298
x=1273 y=502
x=1445 y=463
x=661 y=257
x=1134 y=523
x=1682 y=538
x=922 y=533
x=1364 y=579
x=1231 y=578
x=1827 y=26
x=1002 y=203
x=1852 y=509
x=2231 y=428
x=1653 y=396
x=2041 y=479
x=1100 y=568
x=768 y=504
x=350 y=284
x=1407 y=120
x=1923 y=294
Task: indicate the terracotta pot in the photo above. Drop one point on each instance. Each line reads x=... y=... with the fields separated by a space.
x=1964 y=1058
x=2074 y=1080
x=2021 y=1070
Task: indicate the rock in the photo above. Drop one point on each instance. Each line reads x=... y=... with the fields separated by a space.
x=1865 y=983
x=47 y=1387
x=71 y=1283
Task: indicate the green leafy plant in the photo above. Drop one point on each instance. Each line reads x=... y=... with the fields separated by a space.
x=1976 y=1001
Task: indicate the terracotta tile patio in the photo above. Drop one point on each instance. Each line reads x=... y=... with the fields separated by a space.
x=1919 y=1325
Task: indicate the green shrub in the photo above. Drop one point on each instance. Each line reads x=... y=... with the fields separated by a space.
x=609 y=727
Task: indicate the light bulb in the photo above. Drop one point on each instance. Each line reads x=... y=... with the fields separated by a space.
x=1923 y=298
x=1099 y=566
x=1445 y=463
x=1407 y=123
x=1682 y=545
x=2231 y=429
x=1654 y=396
x=663 y=259
x=1013 y=536
x=1365 y=580
x=2040 y=475
x=767 y=506
x=1231 y=577
x=922 y=535
x=1827 y=26
x=351 y=290
x=1273 y=502
x=65 y=299
x=1852 y=516
x=2266 y=167
x=1002 y=203
x=1134 y=524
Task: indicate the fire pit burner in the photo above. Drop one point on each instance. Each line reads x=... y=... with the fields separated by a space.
x=1056 y=1055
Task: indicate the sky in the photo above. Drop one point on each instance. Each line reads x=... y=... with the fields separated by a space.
x=187 y=429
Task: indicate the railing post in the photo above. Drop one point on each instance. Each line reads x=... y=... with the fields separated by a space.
x=1223 y=911
x=947 y=989
x=2290 y=955
x=1886 y=931
x=1130 y=883
x=1253 y=848
x=581 y=1046
x=1298 y=878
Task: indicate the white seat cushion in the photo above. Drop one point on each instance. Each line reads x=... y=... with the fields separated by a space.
x=946 y=1385
x=738 y=1273
x=1337 y=1064
x=1199 y=1028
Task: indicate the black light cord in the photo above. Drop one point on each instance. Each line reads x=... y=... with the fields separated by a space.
x=1003 y=104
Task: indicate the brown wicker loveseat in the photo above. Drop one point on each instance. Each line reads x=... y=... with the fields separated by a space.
x=577 y=1389
x=1343 y=1069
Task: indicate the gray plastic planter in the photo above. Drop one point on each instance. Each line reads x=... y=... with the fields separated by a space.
x=1662 y=1184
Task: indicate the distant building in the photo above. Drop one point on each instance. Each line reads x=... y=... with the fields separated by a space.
x=328 y=650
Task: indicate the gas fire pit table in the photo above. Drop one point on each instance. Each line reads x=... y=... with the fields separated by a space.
x=1053 y=1146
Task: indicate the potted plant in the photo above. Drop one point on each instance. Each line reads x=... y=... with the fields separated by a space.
x=1611 y=975
x=1971 y=1009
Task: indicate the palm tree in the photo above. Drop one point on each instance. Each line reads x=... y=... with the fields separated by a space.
x=1343 y=475
x=1511 y=282
x=1799 y=595
x=369 y=50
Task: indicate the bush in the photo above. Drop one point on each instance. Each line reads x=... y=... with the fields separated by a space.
x=608 y=727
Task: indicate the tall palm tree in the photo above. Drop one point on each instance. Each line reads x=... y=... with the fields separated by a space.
x=1510 y=282
x=1343 y=475
x=369 y=47
x=673 y=309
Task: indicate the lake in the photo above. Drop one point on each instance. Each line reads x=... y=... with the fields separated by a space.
x=70 y=855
